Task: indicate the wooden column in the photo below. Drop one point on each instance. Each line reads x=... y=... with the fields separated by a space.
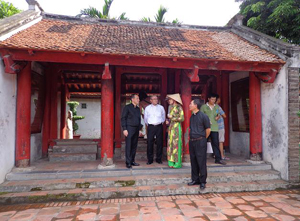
x=53 y=107
x=118 y=109
x=23 y=117
x=177 y=81
x=46 y=119
x=63 y=110
x=163 y=94
x=186 y=95
x=107 y=119
x=225 y=106
x=219 y=85
x=255 y=117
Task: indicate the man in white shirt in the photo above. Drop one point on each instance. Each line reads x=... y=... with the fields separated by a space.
x=154 y=118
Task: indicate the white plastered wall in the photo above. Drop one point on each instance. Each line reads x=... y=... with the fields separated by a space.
x=274 y=100
x=8 y=94
x=90 y=126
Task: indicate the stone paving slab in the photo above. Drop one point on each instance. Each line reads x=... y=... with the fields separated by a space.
x=138 y=179
x=248 y=206
x=62 y=174
x=131 y=191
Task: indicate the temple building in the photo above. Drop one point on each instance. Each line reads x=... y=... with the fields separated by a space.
x=51 y=59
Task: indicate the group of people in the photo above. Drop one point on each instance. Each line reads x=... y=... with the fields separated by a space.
x=204 y=124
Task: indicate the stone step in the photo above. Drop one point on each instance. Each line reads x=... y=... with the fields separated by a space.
x=137 y=180
x=140 y=191
x=142 y=155
x=78 y=148
x=75 y=142
x=67 y=174
x=62 y=157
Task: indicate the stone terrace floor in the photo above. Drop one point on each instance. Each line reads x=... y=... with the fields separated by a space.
x=265 y=206
x=45 y=165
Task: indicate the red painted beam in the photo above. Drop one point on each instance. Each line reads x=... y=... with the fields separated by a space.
x=268 y=77
x=12 y=67
x=193 y=75
x=255 y=115
x=23 y=126
x=107 y=122
x=140 y=61
x=186 y=95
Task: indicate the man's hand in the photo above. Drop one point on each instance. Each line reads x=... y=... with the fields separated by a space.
x=141 y=134
x=218 y=117
x=125 y=132
x=169 y=116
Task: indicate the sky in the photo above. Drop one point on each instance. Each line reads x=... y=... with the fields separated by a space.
x=193 y=12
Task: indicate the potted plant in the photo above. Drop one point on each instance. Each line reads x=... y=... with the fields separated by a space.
x=73 y=108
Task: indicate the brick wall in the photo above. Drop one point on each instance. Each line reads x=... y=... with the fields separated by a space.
x=293 y=96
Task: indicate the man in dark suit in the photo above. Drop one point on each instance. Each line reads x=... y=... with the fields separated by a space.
x=131 y=124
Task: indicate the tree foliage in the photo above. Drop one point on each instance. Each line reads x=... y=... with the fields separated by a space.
x=159 y=17
x=7 y=9
x=73 y=108
x=92 y=12
x=277 y=18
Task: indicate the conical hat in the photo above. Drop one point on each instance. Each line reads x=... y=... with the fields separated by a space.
x=175 y=97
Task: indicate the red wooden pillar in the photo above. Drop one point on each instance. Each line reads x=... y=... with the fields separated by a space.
x=225 y=106
x=255 y=117
x=107 y=118
x=63 y=109
x=118 y=109
x=163 y=94
x=186 y=95
x=53 y=107
x=23 y=117
x=46 y=119
x=219 y=85
x=177 y=81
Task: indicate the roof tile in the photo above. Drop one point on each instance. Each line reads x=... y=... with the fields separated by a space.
x=104 y=38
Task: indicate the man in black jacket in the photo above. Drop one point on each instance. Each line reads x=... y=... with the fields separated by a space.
x=199 y=131
x=131 y=124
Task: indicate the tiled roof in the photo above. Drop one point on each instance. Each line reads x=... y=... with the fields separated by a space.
x=141 y=40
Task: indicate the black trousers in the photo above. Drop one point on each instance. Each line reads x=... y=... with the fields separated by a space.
x=131 y=144
x=198 y=151
x=215 y=145
x=158 y=132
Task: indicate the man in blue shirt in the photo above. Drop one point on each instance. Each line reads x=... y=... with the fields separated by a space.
x=221 y=125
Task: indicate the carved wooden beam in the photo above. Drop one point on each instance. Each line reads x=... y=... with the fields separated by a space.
x=268 y=77
x=12 y=67
x=106 y=73
x=193 y=75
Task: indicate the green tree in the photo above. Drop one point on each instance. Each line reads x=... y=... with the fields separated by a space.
x=73 y=108
x=95 y=13
x=277 y=18
x=159 y=17
x=7 y=9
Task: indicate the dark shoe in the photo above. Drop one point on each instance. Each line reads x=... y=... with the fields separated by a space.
x=159 y=162
x=135 y=164
x=148 y=163
x=202 y=186
x=193 y=183
x=220 y=162
x=128 y=166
